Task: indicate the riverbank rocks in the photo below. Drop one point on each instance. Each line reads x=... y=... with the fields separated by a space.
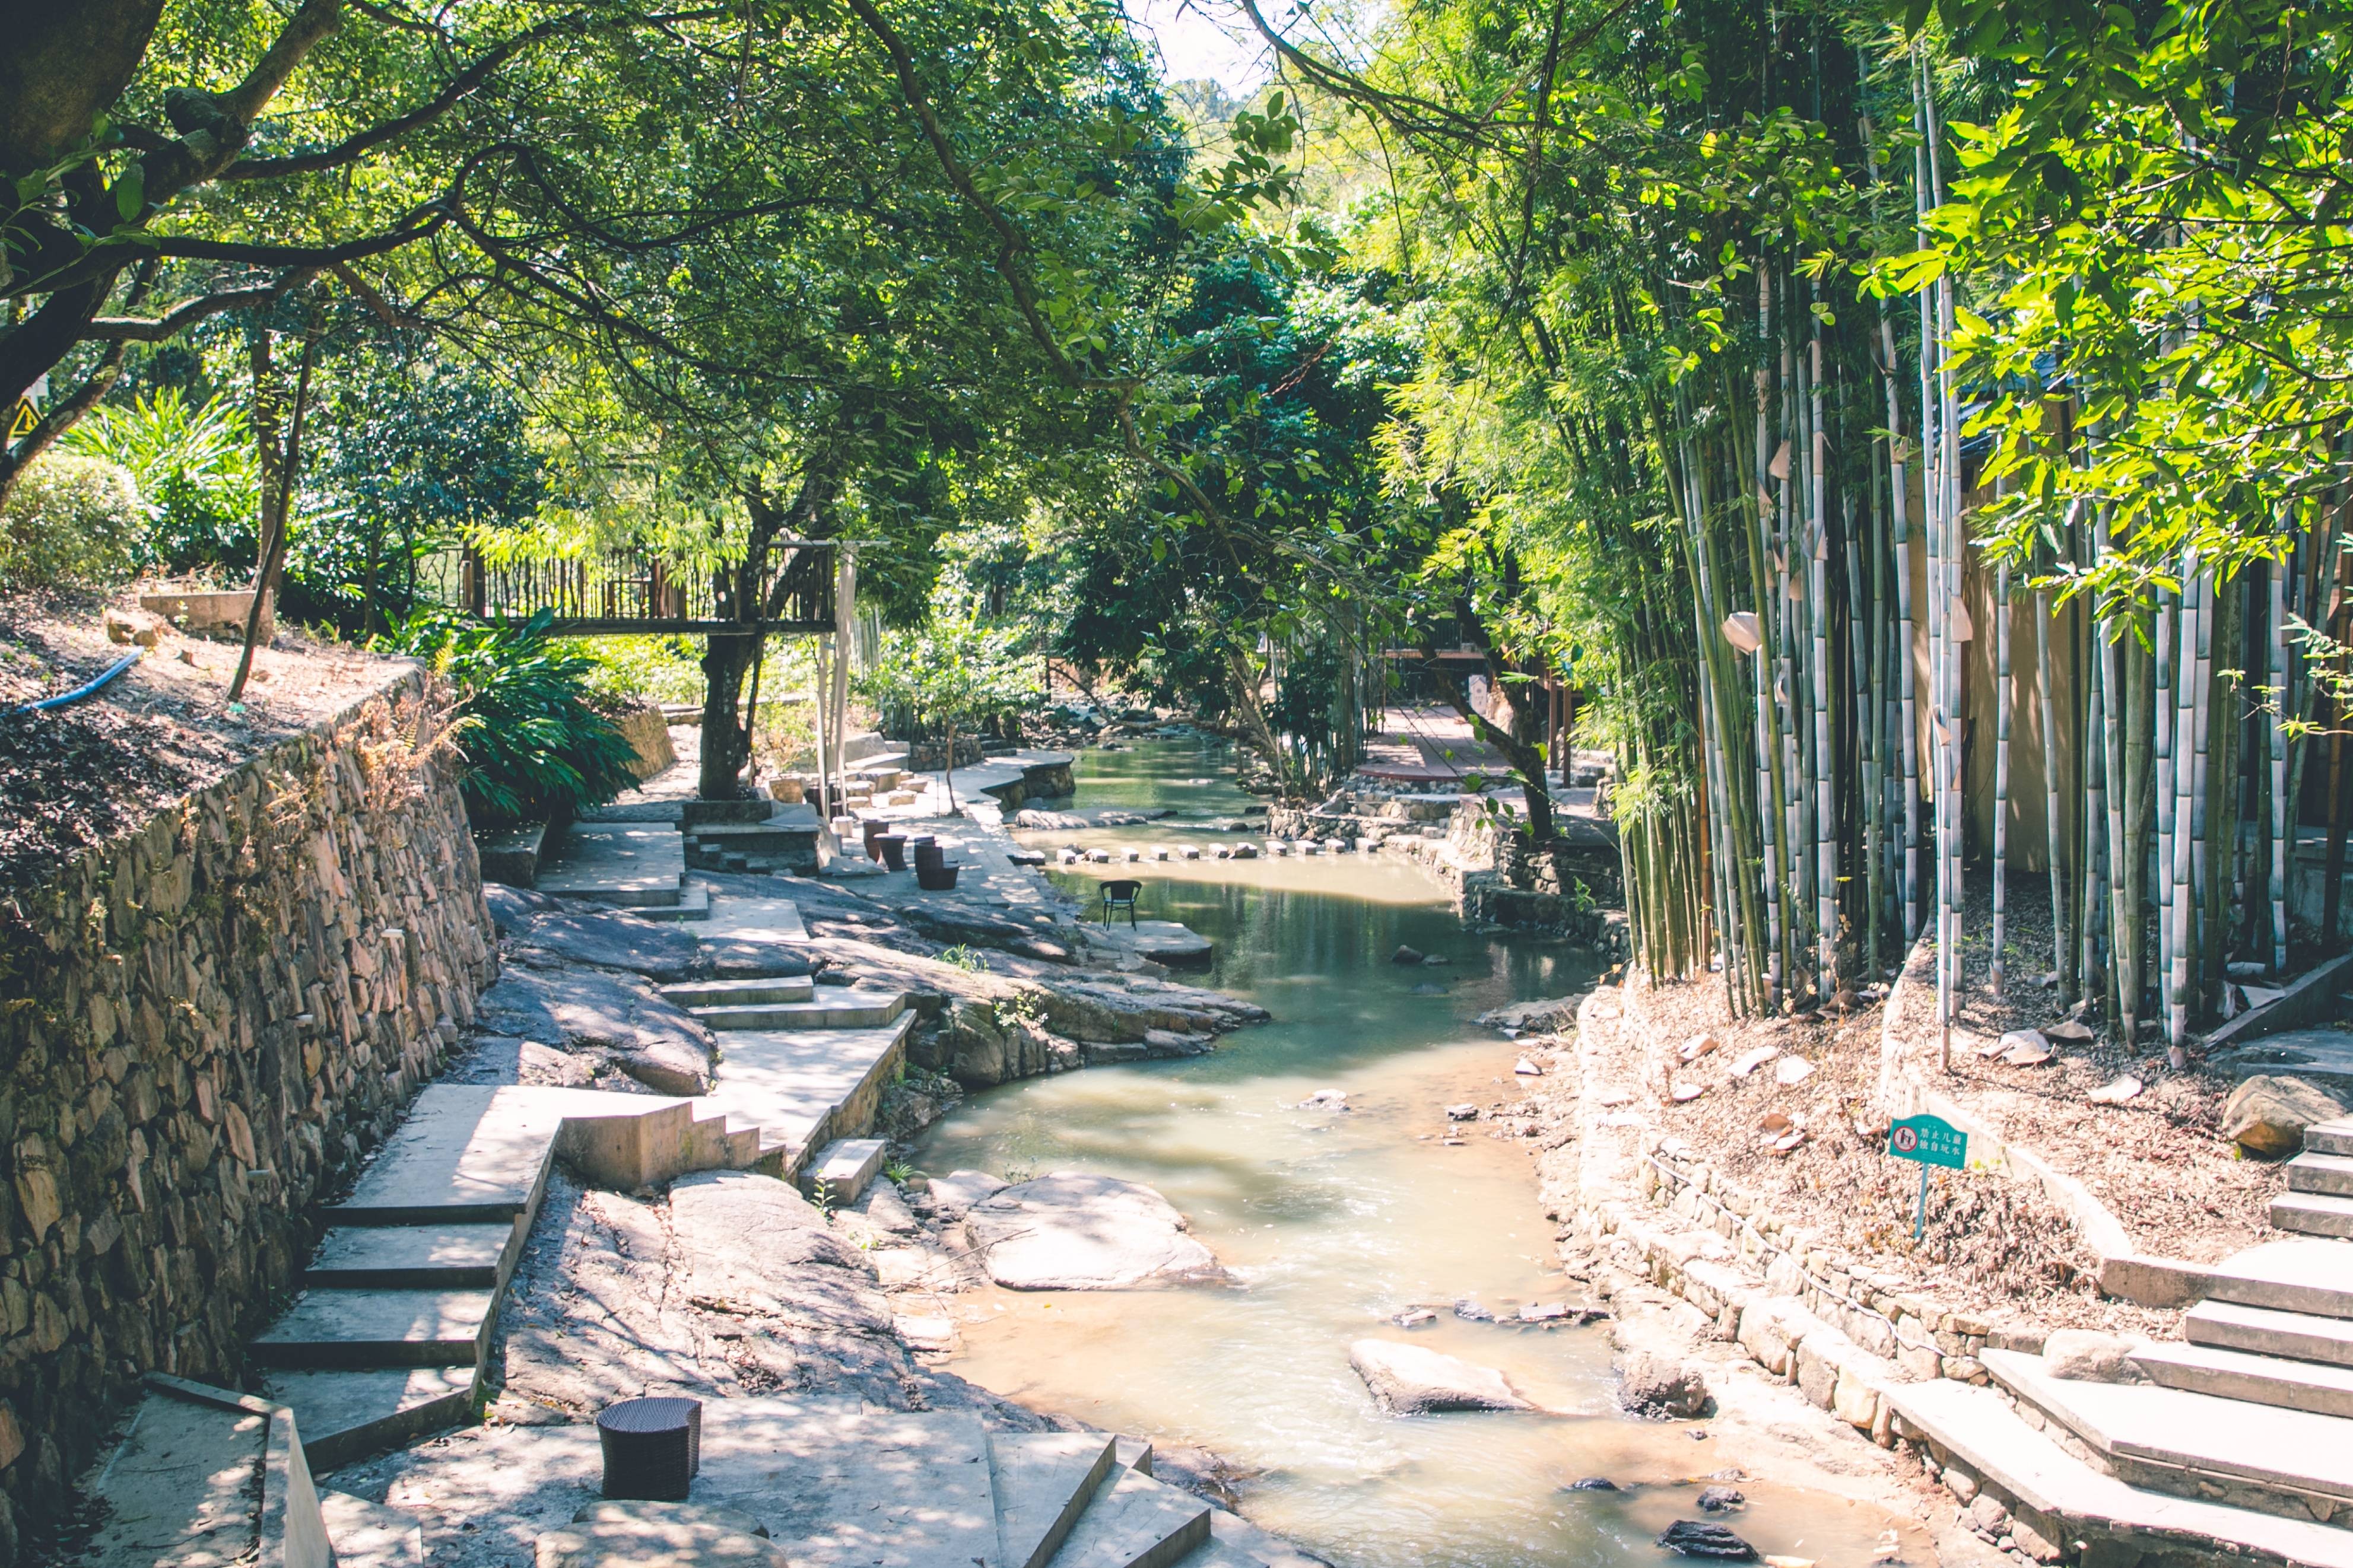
x=1408 y=954
x=1074 y=1231
x=1652 y=1386
x=957 y=1190
x=1551 y=1017
x=1714 y=1541
x=1408 y=1380
x=2267 y=1115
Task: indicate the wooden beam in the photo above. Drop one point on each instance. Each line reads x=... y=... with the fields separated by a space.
x=594 y=627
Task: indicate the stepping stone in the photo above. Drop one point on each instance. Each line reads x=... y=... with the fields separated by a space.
x=440 y=1257
x=380 y=1329
x=1044 y=1481
x=1135 y=1521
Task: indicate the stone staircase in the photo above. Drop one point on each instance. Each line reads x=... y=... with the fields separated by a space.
x=2242 y=1432
x=636 y=866
x=750 y=836
x=389 y=1334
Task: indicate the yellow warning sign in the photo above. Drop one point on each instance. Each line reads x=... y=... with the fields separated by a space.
x=22 y=423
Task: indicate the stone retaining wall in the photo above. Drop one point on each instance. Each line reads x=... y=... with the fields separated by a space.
x=204 y=1027
x=648 y=733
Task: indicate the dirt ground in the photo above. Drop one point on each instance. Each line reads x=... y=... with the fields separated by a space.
x=74 y=777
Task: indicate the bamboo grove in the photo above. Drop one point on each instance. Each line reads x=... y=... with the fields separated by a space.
x=1856 y=503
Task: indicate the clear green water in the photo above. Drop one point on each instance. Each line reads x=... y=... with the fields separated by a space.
x=1335 y=1221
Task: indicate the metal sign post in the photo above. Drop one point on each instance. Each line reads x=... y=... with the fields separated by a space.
x=1927 y=1140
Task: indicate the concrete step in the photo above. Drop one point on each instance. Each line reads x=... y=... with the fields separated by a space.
x=739 y=993
x=844 y=1167
x=838 y=1008
x=2313 y=1214
x=2314 y=1386
x=771 y=837
x=806 y=1087
x=1231 y=1533
x=349 y=1414
x=439 y=1256
x=1044 y=1481
x=2299 y=1276
x=465 y=1155
x=2021 y=1465
x=2264 y=1330
x=203 y=1476
x=2329 y=1173
x=1134 y=1521
x=2262 y=1457
x=380 y=1329
x=691 y=904
x=2329 y=1138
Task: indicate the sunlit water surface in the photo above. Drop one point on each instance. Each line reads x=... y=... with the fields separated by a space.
x=1335 y=1221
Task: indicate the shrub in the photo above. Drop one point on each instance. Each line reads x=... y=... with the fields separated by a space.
x=536 y=748
x=71 y=521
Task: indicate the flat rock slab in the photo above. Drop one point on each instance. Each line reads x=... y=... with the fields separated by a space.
x=1410 y=1380
x=1532 y=1017
x=658 y=950
x=1163 y=941
x=657 y=1043
x=751 y=1247
x=1072 y=1231
x=957 y=1190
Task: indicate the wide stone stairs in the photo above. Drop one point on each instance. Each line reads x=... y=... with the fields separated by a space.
x=2242 y=1432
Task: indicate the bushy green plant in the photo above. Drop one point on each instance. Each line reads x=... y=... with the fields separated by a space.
x=72 y=521
x=195 y=467
x=666 y=668
x=535 y=746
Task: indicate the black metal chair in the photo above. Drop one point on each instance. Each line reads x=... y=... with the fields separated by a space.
x=1121 y=894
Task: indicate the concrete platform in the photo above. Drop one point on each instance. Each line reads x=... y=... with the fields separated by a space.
x=693 y=904
x=807 y=1086
x=634 y=864
x=1164 y=941
x=350 y=1414
x=468 y=1154
x=1978 y=1427
x=735 y=919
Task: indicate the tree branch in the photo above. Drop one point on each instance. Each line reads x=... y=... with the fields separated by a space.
x=156 y=330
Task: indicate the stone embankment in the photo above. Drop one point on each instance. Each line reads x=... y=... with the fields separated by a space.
x=205 y=1029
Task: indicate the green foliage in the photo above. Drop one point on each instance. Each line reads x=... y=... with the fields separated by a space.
x=659 y=668
x=536 y=748
x=957 y=675
x=72 y=521
x=194 y=466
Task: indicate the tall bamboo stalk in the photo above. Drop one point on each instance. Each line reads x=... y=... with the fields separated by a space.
x=2185 y=772
x=2281 y=814
x=1818 y=586
x=2055 y=839
x=2001 y=764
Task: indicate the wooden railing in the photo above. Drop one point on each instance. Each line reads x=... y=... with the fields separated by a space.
x=633 y=591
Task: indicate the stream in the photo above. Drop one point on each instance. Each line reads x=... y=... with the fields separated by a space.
x=1334 y=1222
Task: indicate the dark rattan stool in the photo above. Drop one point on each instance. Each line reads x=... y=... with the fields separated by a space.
x=652 y=1447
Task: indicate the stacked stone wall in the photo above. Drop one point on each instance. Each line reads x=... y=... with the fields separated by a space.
x=205 y=1027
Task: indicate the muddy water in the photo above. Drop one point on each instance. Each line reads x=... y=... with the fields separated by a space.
x=1335 y=1221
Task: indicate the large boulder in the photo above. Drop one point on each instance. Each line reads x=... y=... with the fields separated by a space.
x=1652 y=1386
x=666 y=1049
x=2267 y=1115
x=1072 y=1231
x=1408 y=1380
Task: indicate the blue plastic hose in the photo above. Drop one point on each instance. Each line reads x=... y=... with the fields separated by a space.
x=67 y=699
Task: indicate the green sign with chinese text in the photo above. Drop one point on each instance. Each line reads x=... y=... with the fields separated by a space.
x=1931 y=1140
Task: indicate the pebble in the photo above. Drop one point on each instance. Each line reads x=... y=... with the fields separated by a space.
x=1527 y=1068
x=1721 y=1499
x=1472 y=1312
x=1416 y=1317
x=1792 y=1071
x=1462 y=1113
x=1595 y=1484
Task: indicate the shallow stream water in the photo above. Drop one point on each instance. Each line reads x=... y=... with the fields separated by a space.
x=1334 y=1222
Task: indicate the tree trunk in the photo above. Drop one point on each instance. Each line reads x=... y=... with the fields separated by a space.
x=726 y=743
